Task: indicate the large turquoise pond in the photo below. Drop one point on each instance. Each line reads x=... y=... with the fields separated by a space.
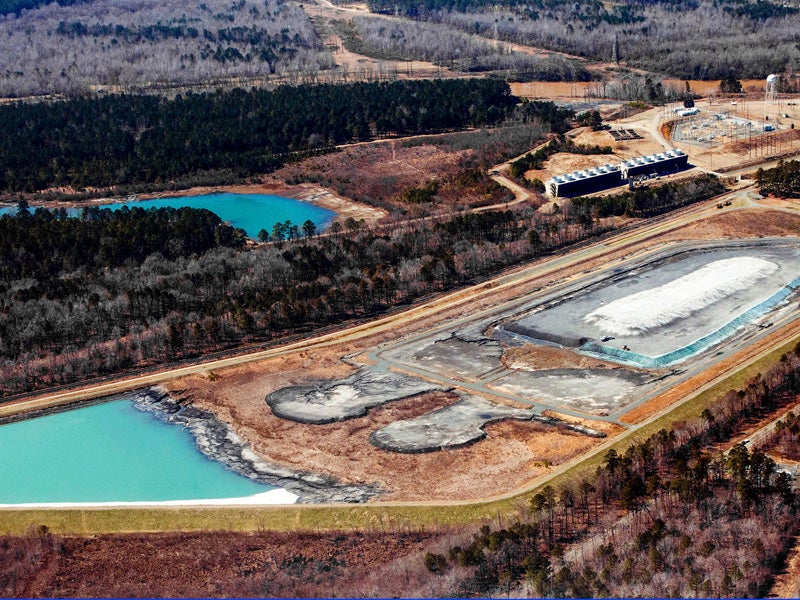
x=110 y=452
x=251 y=212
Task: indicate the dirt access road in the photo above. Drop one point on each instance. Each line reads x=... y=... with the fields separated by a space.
x=421 y=512
x=458 y=299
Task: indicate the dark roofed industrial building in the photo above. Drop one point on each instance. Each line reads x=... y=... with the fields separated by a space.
x=608 y=176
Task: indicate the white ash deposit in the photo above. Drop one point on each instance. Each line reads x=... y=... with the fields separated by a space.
x=643 y=311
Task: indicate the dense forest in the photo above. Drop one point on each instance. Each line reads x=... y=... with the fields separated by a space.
x=46 y=244
x=79 y=315
x=687 y=39
x=69 y=324
x=142 y=139
x=782 y=181
x=396 y=39
x=671 y=516
x=78 y=47
x=17 y=6
x=648 y=201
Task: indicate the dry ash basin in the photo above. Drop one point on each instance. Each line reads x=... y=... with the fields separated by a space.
x=344 y=398
x=456 y=425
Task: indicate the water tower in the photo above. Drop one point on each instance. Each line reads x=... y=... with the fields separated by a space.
x=771 y=94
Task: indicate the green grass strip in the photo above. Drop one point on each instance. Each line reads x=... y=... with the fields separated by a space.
x=363 y=517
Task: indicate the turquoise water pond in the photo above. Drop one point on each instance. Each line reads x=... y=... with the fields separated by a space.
x=110 y=452
x=251 y=212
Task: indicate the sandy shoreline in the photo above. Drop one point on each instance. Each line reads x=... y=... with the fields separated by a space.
x=313 y=194
x=277 y=496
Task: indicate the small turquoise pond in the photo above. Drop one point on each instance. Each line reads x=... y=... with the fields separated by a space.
x=251 y=212
x=109 y=452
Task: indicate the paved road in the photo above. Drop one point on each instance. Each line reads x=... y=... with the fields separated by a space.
x=758 y=436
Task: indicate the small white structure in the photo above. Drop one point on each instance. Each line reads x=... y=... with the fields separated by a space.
x=771 y=94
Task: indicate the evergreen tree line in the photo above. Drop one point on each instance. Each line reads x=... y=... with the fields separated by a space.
x=8 y=7
x=648 y=201
x=47 y=244
x=671 y=516
x=782 y=181
x=125 y=139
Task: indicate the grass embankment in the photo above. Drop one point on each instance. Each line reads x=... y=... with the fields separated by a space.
x=375 y=517
x=682 y=412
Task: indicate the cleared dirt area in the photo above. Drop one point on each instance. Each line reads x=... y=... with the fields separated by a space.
x=378 y=173
x=624 y=149
x=552 y=89
x=509 y=457
x=533 y=357
x=512 y=455
x=565 y=162
x=755 y=222
x=699 y=86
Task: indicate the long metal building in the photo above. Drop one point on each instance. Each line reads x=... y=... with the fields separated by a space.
x=583 y=182
x=612 y=175
x=662 y=163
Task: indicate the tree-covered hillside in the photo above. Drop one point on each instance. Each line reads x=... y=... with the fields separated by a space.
x=783 y=180
x=688 y=39
x=139 y=139
x=72 y=47
x=15 y=7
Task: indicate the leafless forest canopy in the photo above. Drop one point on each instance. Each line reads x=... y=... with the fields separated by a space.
x=68 y=49
x=704 y=42
x=383 y=37
x=71 y=49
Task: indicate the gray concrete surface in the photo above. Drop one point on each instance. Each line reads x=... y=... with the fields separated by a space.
x=562 y=319
x=465 y=357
